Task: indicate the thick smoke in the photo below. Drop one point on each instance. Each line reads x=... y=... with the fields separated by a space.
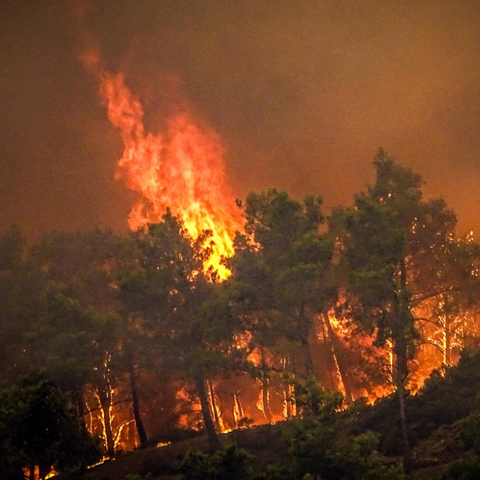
x=302 y=93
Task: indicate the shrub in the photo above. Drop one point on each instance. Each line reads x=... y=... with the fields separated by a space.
x=229 y=463
x=468 y=469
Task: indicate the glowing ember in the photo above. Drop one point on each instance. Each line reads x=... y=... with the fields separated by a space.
x=181 y=168
x=163 y=444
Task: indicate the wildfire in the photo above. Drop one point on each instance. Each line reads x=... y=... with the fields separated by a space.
x=181 y=168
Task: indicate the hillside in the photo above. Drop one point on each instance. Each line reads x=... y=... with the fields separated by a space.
x=445 y=435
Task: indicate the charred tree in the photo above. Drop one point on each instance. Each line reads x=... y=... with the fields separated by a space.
x=303 y=334
x=213 y=401
x=212 y=436
x=142 y=434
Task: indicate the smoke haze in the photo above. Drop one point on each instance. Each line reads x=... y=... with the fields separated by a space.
x=302 y=94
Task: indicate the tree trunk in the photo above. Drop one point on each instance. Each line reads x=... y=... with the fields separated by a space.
x=207 y=418
x=307 y=355
x=448 y=341
x=106 y=403
x=304 y=333
x=266 y=401
x=338 y=360
x=401 y=374
x=265 y=396
x=401 y=360
x=288 y=411
x=216 y=415
x=142 y=434
x=80 y=404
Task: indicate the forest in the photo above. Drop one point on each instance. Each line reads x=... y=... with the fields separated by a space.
x=347 y=336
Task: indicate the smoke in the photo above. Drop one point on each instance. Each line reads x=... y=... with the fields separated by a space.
x=302 y=94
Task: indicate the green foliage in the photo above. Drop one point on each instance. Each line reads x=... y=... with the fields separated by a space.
x=93 y=309
x=470 y=430
x=230 y=463
x=447 y=396
x=281 y=270
x=38 y=428
x=186 y=315
x=467 y=469
x=312 y=399
x=390 y=236
x=319 y=449
x=136 y=476
x=470 y=433
x=20 y=285
x=65 y=341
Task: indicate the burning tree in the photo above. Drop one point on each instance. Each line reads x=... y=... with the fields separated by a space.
x=393 y=241
x=184 y=315
x=280 y=280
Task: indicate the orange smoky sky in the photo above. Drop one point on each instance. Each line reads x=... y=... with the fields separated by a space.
x=302 y=93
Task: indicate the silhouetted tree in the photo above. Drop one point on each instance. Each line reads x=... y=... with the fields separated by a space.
x=38 y=429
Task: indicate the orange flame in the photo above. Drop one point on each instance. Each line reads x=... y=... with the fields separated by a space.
x=182 y=168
